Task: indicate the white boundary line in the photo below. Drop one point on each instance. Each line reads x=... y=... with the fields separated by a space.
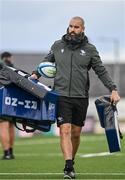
x=90 y=155
x=99 y=154
x=54 y=173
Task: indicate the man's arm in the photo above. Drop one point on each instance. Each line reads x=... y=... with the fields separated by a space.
x=103 y=75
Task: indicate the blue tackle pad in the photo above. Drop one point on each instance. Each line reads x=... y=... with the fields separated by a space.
x=25 y=108
x=109 y=121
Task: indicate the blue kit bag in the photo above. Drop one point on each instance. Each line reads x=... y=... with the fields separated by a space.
x=28 y=102
x=108 y=117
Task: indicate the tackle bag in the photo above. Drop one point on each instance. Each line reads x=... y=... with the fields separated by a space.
x=28 y=102
x=108 y=117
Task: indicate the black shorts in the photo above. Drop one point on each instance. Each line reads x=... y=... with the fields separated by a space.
x=72 y=110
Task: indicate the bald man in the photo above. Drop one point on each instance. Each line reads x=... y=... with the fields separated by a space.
x=74 y=56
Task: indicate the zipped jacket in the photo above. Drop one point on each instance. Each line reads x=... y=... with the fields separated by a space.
x=73 y=65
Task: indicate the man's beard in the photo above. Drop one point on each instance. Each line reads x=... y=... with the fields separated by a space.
x=74 y=38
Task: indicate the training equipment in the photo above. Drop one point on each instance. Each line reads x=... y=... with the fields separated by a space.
x=28 y=102
x=107 y=113
x=47 y=69
x=27 y=109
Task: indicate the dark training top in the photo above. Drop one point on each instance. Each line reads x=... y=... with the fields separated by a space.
x=73 y=60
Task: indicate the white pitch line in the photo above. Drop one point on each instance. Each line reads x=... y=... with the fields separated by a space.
x=98 y=154
x=54 y=173
x=79 y=154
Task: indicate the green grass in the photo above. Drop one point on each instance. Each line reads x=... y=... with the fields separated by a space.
x=40 y=158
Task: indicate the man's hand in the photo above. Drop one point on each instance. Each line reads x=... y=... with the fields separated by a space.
x=115 y=98
x=33 y=76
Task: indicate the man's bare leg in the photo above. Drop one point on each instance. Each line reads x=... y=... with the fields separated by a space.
x=65 y=140
x=11 y=134
x=75 y=138
x=4 y=135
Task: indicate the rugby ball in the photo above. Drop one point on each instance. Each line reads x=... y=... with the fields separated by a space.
x=47 y=69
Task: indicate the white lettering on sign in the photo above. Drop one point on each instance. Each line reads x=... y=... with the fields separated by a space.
x=28 y=104
x=7 y=100
x=14 y=102
x=34 y=105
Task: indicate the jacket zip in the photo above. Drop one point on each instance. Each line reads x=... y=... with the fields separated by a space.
x=70 y=74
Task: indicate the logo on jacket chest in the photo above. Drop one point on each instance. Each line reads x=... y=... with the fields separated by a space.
x=82 y=52
x=62 y=50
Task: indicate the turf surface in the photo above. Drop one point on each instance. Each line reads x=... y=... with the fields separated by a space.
x=40 y=157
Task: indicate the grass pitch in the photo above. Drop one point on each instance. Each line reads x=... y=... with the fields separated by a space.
x=40 y=157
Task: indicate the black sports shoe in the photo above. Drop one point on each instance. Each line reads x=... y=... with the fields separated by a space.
x=69 y=174
x=8 y=154
x=8 y=157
